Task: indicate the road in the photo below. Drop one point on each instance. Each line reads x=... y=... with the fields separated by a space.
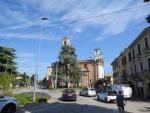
x=84 y=105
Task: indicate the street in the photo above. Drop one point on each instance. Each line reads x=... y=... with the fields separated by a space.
x=83 y=105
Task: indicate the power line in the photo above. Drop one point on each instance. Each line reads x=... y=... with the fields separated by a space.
x=88 y=18
x=109 y=13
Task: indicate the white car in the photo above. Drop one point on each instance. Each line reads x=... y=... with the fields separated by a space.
x=88 y=92
x=8 y=104
x=107 y=96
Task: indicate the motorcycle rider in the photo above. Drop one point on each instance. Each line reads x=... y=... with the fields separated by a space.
x=120 y=100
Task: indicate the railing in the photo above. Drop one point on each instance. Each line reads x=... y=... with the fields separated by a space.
x=146 y=51
x=139 y=56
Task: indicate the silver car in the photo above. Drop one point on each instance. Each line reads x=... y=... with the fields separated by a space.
x=8 y=104
x=88 y=92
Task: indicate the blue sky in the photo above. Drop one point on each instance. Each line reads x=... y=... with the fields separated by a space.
x=20 y=22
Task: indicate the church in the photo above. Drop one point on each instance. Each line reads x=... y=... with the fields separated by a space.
x=91 y=69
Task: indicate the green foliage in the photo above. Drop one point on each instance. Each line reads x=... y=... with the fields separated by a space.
x=25 y=78
x=7 y=56
x=24 y=98
x=99 y=83
x=28 y=98
x=5 y=84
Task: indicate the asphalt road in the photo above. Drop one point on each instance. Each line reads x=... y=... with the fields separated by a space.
x=83 y=105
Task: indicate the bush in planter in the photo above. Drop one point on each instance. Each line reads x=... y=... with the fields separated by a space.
x=40 y=100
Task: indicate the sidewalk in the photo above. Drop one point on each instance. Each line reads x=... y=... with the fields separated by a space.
x=140 y=99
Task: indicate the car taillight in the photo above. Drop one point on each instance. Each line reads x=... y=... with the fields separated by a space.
x=74 y=94
x=65 y=94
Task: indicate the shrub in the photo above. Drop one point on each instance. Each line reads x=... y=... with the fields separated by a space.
x=5 y=84
x=28 y=98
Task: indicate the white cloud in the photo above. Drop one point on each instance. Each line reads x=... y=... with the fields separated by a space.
x=69 y=10
x=98 y=39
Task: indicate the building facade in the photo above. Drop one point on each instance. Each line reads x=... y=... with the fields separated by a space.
x=109 y=78
x=132 y=66
x=49 y=72
x=92 y=69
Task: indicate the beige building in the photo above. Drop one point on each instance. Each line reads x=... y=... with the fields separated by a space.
x=109 y=78
x=92 y=69
x=133 y=65
x=49 y=72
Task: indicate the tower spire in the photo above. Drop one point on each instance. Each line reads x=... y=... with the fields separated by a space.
x=66 y=41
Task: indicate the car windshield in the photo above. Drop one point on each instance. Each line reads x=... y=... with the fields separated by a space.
x=112 y=93
x=92 y=89
x=69 y=91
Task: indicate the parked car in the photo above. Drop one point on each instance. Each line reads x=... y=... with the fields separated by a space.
x=88 y=92
x=69 y=94
x=107 y=96
x=8 y=104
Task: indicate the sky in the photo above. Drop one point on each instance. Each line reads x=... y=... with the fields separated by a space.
x=90 y=24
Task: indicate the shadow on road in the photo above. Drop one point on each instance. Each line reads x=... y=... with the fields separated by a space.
x=104 y=101
x=139 y=99
x=146 y=109
x=58 y=107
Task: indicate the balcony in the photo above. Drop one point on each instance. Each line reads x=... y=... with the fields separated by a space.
x=146 y=74
x=132 y=60
x=146 y=52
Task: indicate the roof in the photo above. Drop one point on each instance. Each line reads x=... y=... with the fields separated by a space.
x=84 y=61
x=140 y=36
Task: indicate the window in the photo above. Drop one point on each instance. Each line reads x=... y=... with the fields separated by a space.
x=149 y=63
x=123 y=60
x=129 y=55
x=146 y=43
x=141 y=66
x=135 y=68
x=133 y=53
x=65 y=42
x=85 y=66
x=131 y=70
x=139 y=49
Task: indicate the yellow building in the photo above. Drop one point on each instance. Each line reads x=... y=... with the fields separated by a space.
x=133 y=65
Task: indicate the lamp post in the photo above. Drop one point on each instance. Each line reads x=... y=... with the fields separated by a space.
x=38 y=57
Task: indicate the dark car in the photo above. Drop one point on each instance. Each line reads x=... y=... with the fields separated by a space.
x=69 y=94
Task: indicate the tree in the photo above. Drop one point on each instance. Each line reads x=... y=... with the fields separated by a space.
x=68 y=64
x=146 y=0
x=5 y=82
x=26 y=80
x=7 y=56
x=148 y=19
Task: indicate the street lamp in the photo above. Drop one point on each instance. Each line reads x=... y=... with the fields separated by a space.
x=38 y=57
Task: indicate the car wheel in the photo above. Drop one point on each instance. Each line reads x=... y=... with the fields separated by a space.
x=87 y=94
x=9 y=109
x=106 y=100
x=80 y=94
x=97 y=97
